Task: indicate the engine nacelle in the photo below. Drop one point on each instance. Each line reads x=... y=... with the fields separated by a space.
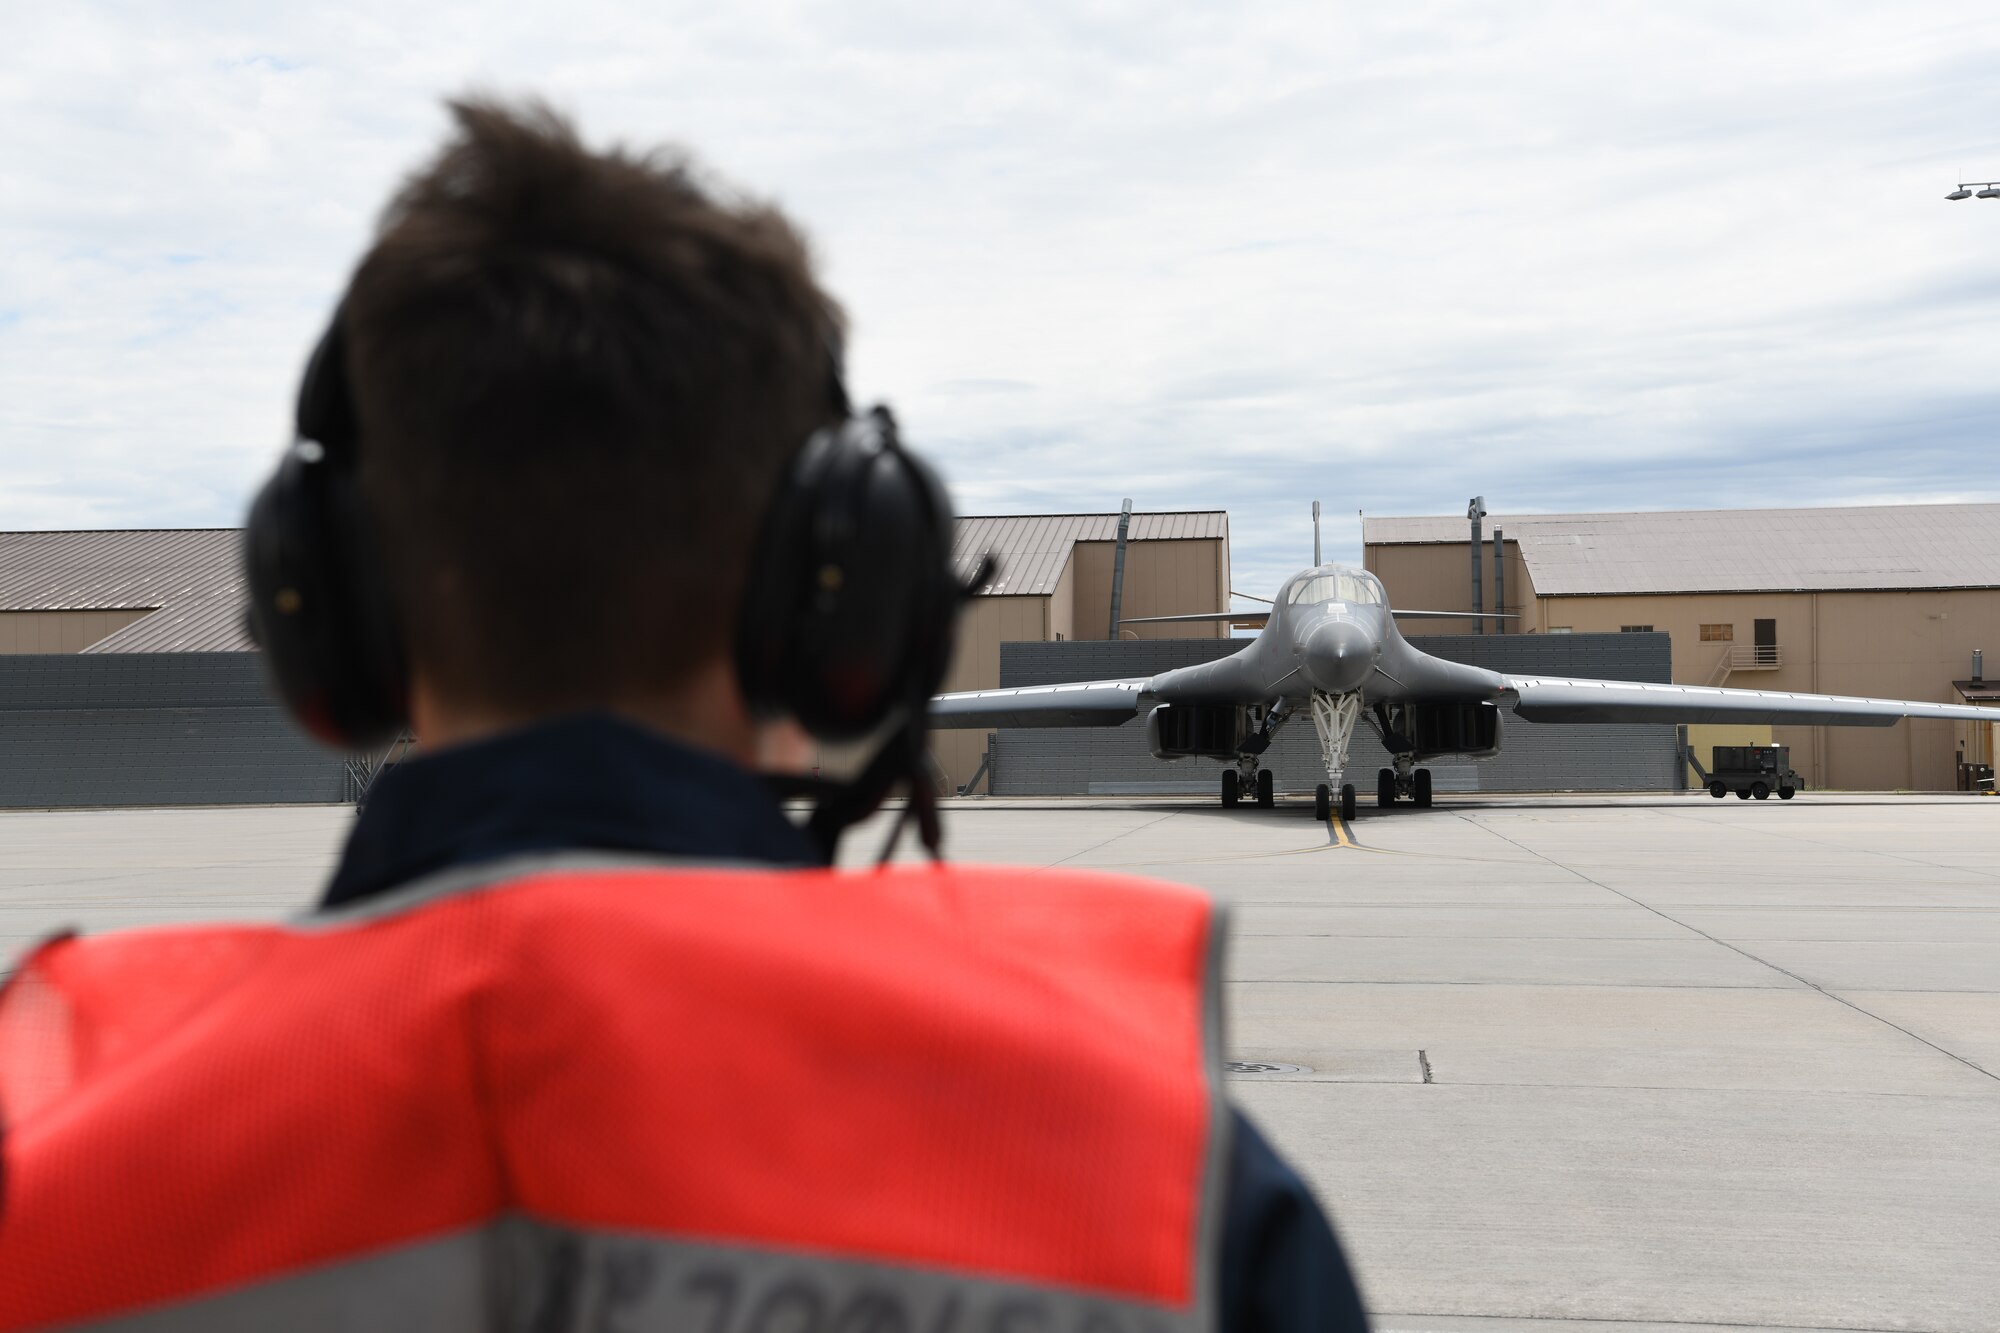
x=1432 y=730
x=1216 y=731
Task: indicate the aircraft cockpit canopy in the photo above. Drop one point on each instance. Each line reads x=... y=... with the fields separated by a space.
x=1340 y=586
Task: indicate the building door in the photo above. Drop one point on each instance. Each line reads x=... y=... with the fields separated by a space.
x=1766 y=642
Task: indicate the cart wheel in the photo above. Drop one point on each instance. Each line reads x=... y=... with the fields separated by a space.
x=1742 y=793
x=1787 y=793
x=1267 y=791
x=1760 y=791
x=1717 y=790
x=1228 y=788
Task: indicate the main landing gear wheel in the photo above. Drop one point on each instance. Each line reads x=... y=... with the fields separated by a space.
x=1267 y=791
x=1385 y=788
x=1322 y=803
x=1717 y=789
x=1347 y=802
x=1422 y=795
x=1759 y=791
x=1228 y=788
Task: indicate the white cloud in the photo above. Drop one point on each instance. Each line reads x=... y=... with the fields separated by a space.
x=1605 y=256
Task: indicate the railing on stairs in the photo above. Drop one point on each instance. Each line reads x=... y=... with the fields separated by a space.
x=1747 y=657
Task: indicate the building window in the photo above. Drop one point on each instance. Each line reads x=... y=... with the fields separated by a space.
x=1635 y=629
x=1718 y=633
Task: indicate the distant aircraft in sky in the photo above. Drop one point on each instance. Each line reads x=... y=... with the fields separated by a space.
x=1330 y=648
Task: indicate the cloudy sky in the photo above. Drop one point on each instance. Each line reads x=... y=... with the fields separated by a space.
x=1589 y=255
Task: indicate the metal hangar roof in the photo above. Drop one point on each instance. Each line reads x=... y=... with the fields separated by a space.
x=1033 y=548
x=1854 y=548
x=190 y=577
x=190 y=580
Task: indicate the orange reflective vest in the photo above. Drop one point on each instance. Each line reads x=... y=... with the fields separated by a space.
x=583 y=1093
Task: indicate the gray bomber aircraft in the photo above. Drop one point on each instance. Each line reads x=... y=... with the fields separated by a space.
x=1330 y=649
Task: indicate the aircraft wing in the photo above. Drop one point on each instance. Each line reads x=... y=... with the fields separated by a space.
x=1204 y=618
x=1262 y=617
x=1549 y=699
x=1089 y=703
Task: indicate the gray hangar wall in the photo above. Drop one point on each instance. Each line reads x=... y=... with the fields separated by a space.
x=140 y=729
x=1114 y=761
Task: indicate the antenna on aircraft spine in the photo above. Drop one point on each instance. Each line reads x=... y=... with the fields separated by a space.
x=1315 y=534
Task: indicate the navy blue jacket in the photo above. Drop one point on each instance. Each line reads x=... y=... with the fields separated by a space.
x=593 y=782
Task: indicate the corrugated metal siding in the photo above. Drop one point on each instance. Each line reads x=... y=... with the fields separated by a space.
x=153 y=729
x=1875 y=547
x=1033 y=548
x=211 y=625
x=1048 y=761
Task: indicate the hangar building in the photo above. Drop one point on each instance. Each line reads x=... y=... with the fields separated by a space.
x=1884 y=600
x=126 y=676
x=1054 y=585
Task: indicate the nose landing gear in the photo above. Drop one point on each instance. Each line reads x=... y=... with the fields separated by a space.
x=1323 y=802
x=1334 y=716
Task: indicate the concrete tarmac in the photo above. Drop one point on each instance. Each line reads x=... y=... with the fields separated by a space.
x=1579 y=1063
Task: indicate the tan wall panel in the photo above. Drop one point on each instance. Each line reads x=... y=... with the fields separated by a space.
x=61 y=631
x=1090 y=563
x=1438 y=577
x=1062 y=604
x=1162 y=578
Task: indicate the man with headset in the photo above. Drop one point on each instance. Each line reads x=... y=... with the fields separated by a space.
x=583 y=1033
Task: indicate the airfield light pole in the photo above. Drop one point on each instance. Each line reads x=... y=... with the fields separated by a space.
x=1499 y=581
x=1986 y=190
x=1315 y=534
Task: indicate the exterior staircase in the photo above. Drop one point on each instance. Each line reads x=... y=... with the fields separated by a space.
x=1746 y=657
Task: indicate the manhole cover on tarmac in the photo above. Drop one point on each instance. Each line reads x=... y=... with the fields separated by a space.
x=1262 y=1067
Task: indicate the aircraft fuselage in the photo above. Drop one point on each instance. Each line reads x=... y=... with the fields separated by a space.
x=1330 y=630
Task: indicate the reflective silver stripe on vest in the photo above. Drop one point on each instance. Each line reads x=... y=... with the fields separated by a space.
x=505 y=872
x=1211 y=1199
x=523 y=1276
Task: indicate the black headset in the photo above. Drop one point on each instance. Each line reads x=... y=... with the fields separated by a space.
x=846 y=622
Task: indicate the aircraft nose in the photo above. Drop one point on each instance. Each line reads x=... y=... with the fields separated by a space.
x=1339 y=655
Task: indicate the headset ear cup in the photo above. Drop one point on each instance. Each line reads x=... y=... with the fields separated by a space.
x=847 y=616
x=938 y=593
x=766 y=622
x=319 y=604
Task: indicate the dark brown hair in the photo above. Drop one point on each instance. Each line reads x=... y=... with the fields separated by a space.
x=578 y=377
